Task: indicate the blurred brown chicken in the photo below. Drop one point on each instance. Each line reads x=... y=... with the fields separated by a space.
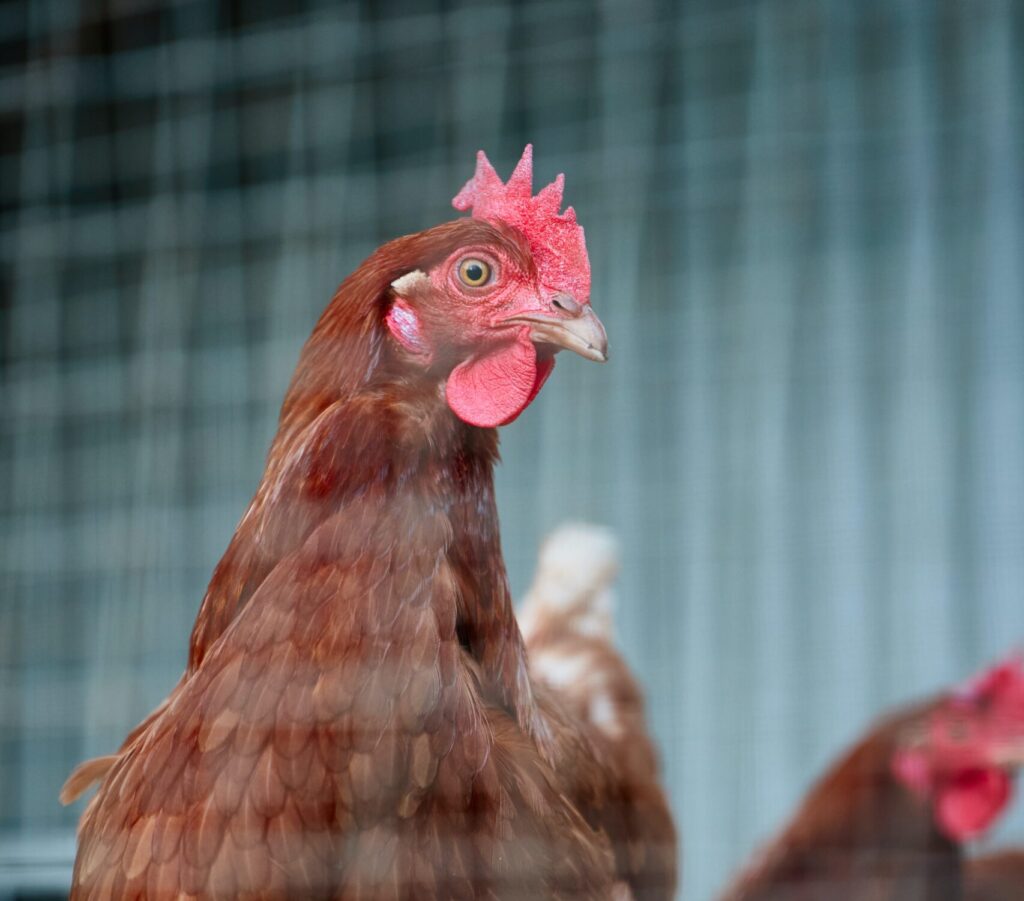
x=357 y=718
x=995 y=877
x=887 y=822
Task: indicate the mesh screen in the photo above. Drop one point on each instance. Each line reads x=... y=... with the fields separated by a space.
x=805 y=221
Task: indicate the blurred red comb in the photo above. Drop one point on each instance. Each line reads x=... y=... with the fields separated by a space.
x=1003 y=679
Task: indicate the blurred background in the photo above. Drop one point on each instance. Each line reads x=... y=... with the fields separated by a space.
x=806 y=224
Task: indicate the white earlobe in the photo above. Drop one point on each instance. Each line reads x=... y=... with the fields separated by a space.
x=406 y=284
x=402 y=319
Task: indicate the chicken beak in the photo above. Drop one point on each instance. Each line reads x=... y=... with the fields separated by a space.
x=572 y=326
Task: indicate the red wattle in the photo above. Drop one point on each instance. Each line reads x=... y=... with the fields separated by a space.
x=966 y=806
x=493 y=388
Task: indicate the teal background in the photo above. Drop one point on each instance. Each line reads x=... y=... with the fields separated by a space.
x=806 y=225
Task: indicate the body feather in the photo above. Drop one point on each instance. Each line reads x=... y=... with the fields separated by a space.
x=995 y=877
x=567 y=624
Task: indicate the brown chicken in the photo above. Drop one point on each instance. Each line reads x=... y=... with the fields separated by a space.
x=887 y=821
x=566 y=621
x=995 y=877
x=357 y=718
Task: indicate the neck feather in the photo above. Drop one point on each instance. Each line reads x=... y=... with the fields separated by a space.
x=358 y=440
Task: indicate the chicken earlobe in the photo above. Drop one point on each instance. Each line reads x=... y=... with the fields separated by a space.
x=402 y=320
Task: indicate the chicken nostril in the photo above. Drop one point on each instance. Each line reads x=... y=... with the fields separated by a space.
x=567 y=304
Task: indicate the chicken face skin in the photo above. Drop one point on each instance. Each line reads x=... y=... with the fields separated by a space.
x=484 y=319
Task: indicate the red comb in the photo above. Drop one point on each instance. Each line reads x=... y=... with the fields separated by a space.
x=555 y=238
x=1001 y=680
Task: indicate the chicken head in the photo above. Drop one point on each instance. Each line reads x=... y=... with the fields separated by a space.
x=963 y=759
x=492 y=313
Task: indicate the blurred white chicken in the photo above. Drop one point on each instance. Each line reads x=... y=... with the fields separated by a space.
x=567 y=622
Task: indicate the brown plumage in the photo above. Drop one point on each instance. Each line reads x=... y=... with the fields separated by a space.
x=858 y=835
x=995 y=877
x=566 y=620
x=356 y=719
x=887 y=821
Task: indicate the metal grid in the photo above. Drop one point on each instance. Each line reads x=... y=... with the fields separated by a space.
x=805 y=220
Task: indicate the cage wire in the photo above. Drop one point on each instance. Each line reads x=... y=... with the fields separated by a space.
x=805 y=221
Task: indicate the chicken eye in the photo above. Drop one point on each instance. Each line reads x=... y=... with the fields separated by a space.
x=474 y=273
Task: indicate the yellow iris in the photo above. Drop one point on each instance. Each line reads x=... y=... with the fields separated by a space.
x=474 y=273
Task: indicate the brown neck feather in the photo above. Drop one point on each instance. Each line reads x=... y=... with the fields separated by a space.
x=361 y=430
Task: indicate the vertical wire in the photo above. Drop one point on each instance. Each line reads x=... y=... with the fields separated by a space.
x=918 y=466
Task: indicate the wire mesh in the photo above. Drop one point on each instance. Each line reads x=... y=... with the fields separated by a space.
x=805 y=221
